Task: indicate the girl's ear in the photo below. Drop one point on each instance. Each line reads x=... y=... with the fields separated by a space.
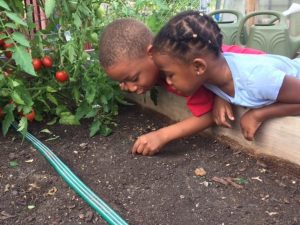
x=149 y=50
x=199 y=65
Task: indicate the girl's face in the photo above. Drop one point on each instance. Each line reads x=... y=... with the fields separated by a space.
x=137 y=76
x=178 y=74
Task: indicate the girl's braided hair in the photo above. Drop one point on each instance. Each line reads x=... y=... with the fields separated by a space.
x=188 y=34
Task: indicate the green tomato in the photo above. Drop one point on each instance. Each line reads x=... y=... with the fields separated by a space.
x=73 y=5
x=100 y=13
x=94 y=37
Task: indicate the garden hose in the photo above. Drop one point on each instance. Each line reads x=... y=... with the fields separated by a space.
x=108 y=214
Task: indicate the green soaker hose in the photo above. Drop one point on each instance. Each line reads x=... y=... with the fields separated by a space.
x=108 y=214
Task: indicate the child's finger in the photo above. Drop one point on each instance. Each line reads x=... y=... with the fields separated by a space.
x=230 y=114
x=140 y=148
x=135 y=147
x=224 y=121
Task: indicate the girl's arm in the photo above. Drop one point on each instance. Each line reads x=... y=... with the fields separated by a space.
x=151 y=143
x=253 y=118
x=290 y=90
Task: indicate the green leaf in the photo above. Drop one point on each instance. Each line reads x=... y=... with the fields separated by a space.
x=13 y=164
x=14 y=17
x=23 y=124
x=14 y=83
x=52 y=99
x=24 y=60
x=90 y=94
x=4 y=5
x=8 y=119
x=53 y=121
x=20 y=38
x=68 y=120
x=11 y=25
x=76 y=93
x=95 y=127
x=49 y=7
x=17 y=98
x=82 y=110
x=50 y=89
x=92 y=113
x=77 y=20
x=105 y=131
x=26 y=97
x=72 y=53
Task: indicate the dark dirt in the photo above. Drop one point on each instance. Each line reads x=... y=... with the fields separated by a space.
x=144 y=190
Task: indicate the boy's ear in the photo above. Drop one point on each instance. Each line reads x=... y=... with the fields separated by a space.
x=149 y=50
x=199 y=65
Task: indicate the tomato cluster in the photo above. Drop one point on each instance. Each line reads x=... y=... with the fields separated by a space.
x=46 y=61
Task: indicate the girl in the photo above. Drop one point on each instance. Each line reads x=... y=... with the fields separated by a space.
x=188 y=51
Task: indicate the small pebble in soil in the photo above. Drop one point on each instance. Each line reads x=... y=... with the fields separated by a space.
x=200 y=171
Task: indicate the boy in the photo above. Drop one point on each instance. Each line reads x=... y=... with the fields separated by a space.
x=125 y=55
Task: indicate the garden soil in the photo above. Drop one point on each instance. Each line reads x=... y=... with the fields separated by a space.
x=196 y=180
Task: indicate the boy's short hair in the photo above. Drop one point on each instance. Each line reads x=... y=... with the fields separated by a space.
x=125 y=38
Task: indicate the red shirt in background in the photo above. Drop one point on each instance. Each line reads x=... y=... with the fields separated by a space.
x=202 y=101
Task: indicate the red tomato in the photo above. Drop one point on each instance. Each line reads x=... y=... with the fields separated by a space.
x=5 y=46
x=30 y=116
x=61 y=76
x=1 y=113
x=37 y=64
x=47 y=61
x=2 y=42
x=8 y=54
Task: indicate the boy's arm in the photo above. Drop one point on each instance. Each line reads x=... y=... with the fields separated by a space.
x=253 y=118
x=151 y=143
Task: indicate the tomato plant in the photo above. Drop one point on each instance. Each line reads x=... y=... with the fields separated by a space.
x=89 y=93
x=61 y=76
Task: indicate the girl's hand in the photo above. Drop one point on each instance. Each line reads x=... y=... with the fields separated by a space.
x=222 y=112
x=148 y=144
x=249 y=124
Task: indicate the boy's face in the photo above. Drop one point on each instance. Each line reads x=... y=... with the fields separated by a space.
x=137 y=76
x=178 y=74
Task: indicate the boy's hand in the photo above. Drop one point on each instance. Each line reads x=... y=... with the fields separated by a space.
x=222 y=111
x=249 y=124
x=148 y=144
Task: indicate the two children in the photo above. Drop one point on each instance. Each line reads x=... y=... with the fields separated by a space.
x=126 y=56
x=188 y=52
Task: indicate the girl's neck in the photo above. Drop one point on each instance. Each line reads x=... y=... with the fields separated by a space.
x=219 y=74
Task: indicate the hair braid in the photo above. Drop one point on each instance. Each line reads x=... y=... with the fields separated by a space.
x=187 y=34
